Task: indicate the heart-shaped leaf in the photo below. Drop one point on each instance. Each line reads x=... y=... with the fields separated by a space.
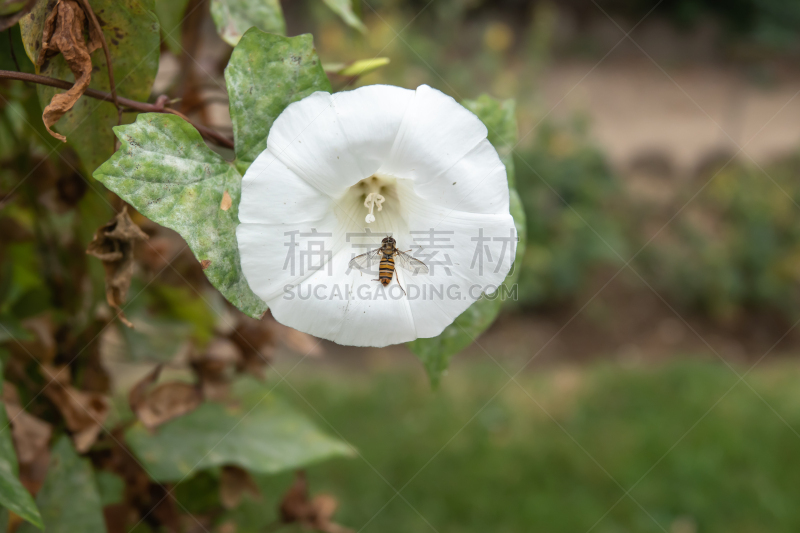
x=165 y=170
x=259 y=433
x=266 y=73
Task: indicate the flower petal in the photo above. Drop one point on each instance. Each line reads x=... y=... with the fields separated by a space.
x=347 y=308
x=275 y=255
x=370 y=118
x=308 y=139
x=477 y=183
x=334 y=141
x=435 y=134
x=273 y=194
x=480 y=254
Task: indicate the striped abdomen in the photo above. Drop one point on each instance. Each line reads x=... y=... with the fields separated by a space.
x=386 y=269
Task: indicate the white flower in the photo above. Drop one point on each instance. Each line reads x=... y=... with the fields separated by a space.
x=384 y=160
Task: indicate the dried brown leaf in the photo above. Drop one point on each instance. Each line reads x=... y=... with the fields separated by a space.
x=43 y=344
x=235 y=482
x=212 y=368
x=64 y=33
x=256 y=341
x=113 y=245
x=138 y=394
x=31 y=434
x=143 y=498
x=164 y=402
x=315 y=513
x=83 y=412
x=118 y=517
x=223 y=351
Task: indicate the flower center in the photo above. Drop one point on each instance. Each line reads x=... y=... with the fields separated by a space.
x=373 y=201
x=373 y=206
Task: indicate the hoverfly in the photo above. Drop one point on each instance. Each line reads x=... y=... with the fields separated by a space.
x=386 y=255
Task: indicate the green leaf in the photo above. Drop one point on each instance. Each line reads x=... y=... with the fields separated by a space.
x=9 y=7
x=344 y=8
x=260 y=434
x=13 y=495
x=500 y=118
x=170 y=17
x=12 y=329
x=110 y=486
x=435 y=353
x=68 y=499
x=165 y=170
x=132 y=32
x=234 y=17
x=265 y=74
x=357 y=68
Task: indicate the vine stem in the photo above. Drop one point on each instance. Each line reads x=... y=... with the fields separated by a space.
x=158 y=107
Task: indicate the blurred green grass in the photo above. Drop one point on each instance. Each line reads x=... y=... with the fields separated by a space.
x=699 y=450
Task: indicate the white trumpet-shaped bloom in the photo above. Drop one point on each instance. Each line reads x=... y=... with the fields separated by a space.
x=341 y=172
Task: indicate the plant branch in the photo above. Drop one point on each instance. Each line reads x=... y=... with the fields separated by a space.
x=158 y=107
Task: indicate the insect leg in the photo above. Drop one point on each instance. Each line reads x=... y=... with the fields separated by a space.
x=401 y=287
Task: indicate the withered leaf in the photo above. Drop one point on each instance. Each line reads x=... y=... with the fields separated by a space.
x=143 y=499
x=83 y=412
x=164 y=402
x=113 y=245
x=257 y=343
x=212 y=368
x=314 y=513
x=42 y=345
x=31 y=434
x=63 y=33
x=234 y=483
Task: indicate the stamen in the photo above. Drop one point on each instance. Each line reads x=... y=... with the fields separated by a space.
x=371 y=201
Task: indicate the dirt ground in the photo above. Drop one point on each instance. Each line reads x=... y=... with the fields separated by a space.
x=681 y=113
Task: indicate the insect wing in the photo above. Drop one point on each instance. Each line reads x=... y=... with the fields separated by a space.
x=365 y=261
x=411 y=264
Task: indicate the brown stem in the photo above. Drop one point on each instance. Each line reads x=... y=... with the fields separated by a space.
x=158 y=107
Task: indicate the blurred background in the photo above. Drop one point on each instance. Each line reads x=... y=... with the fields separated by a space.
x=646 y=377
